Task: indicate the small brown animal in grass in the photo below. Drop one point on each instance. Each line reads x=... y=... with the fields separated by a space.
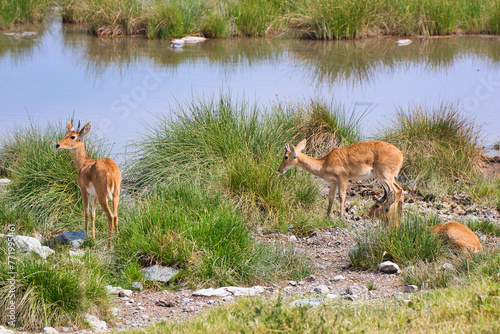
x=459 y=235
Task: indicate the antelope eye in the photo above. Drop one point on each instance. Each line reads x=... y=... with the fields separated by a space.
x=286 y=157
x=377 y=206
x=72 y=137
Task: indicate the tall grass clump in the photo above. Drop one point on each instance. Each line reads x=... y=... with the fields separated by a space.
x=324 y=19
x=107 y=18
x=43 y=180
x=23 y=11
x=238 y=148
x=406 y=244
x=201 y=232
x=55 y=292
x=440 y=146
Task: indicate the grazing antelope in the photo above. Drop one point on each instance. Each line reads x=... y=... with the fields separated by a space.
x=359 y=161
x=383 y=208
x=459 y=235
x=99 y=178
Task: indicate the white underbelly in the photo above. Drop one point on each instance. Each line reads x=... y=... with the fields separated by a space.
x=91 y=190
x=368 y=174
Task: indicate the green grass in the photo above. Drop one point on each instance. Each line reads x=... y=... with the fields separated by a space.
x=55 y=292
x=202 y=232
x=23 y=11
x=440 y=146
x=43 y=179
x=406 y=244
x=318 y=19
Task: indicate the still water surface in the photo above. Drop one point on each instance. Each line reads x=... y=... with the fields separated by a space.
x=120 y=84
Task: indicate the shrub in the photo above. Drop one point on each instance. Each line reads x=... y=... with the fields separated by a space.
x=198 y=230
x=440 y=146
x=406 y=244
x=55 y=292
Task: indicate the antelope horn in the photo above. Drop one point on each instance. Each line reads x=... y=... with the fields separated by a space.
x=78 y=128
x=72 y=126
x=386 y=191
x=287 y=147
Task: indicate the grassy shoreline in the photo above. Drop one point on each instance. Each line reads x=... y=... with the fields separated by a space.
x=318 y=19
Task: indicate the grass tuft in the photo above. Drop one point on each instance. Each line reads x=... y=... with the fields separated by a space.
x=440 y=146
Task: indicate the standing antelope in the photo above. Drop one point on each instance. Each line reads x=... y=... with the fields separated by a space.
x=459 y=235
x=99 y=178
x=359 y=161
x=383 y=208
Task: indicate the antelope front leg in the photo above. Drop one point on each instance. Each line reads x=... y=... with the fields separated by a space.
x=342 y=185
x=331 y=197
x=94 y=203
x=85 y=198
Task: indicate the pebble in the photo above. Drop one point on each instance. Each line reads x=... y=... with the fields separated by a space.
x=50 y=330
x=321 y=289
x=338 y=278
x=410 y=288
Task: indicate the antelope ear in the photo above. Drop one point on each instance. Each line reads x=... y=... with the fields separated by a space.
x=301 y=145
x=70 y=127
x=287 y=147
x=83 y=132
x=391 y=198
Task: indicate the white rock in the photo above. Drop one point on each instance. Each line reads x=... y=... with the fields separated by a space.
x=338 y=278
x=125 y=293
x=388 y=267
x=321 y=289
x=292 y=238
x=356 y=290
x=193 y=39
x=403 y=42
x=332 y=295
x=30 y=244
x=95 y=323
x=159 y=273
x=51 y=330
x=229 y=291
x=113 y=290
x=137 y=286
x=4 y=181
x=4 y=330
x=211 y=292
x=410 y=288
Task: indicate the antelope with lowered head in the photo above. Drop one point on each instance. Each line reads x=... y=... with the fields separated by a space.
x=383 y=208
x=99 y=178
x=359 y=161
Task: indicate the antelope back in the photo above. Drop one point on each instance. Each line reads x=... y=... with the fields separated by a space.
x=459 y=235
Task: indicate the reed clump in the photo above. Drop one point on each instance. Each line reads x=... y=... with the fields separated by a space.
x=440 y=145
x=23 y=11
x=317 y=19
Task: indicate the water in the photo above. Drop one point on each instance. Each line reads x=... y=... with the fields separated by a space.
x=121 y=84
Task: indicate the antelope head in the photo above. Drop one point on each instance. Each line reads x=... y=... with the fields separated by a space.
x=381 y=209
x=73 y=138
x=290 y=158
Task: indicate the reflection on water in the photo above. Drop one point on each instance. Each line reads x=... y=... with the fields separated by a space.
x=117 y=82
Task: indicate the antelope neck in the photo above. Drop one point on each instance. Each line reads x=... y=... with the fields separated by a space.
x=80 y=156
x=310 y=164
